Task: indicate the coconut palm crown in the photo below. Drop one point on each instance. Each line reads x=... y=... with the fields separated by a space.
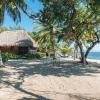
x=13 y=8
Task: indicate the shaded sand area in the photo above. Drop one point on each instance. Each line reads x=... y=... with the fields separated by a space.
x=36 y=80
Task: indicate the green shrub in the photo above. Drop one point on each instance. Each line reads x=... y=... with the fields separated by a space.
x=37 y=55
x=41 y=54
x=13 y=56
x=5 y=57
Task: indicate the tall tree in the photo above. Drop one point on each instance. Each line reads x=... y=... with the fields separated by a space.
x=75 y=17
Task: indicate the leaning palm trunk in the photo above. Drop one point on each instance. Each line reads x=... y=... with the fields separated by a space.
x=90 y=48
x=1 y=62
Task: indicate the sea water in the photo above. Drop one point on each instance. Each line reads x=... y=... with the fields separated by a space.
x=94 y=55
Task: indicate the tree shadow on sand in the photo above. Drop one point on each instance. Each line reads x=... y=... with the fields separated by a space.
x=5 y=82
x=17 y=86
x=3 y=74
x=65 y=69
x=34 y=96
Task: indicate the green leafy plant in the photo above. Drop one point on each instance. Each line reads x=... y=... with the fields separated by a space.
x=5 y=57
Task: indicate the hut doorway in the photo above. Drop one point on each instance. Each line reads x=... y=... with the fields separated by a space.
x=23 y=50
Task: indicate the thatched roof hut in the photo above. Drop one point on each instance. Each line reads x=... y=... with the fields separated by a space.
x=17 y=41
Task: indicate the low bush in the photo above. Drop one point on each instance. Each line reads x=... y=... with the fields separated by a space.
x=6 y=56
x=36 y=55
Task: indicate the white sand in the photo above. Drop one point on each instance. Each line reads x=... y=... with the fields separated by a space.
x=72 y=59
x=32 y=80
x=93 y=60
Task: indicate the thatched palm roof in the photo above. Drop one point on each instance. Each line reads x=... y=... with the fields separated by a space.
x=16 y=38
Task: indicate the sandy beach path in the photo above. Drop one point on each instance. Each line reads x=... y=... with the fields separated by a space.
x=33 y=80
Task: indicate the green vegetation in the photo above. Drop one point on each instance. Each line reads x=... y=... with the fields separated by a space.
x=66 y=50
x=72 y=21
x=76 y=19
x=6 y=56
x=36 y=55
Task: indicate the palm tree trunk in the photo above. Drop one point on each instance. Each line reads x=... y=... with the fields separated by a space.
x=1 y=62
x=54 y=54
x=90 y=48
x=53 y=46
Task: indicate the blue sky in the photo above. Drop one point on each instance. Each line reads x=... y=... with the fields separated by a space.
x=96 y=48
x=26 y=22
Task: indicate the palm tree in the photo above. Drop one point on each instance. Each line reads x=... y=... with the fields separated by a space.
x=13 y=9
x=46 y=40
